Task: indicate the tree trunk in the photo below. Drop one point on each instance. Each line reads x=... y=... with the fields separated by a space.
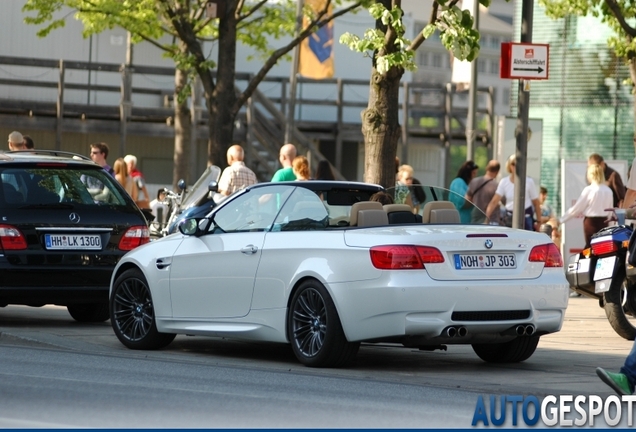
x=381 y=128
x=182 y=131
x=380 y=125
x=221 y=106
x=632 y=74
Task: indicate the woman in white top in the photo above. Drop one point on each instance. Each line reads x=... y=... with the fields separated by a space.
x=506 y=189
x=594 y=199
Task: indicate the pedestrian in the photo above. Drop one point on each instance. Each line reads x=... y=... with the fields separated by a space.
x=16 y=141
x=417 y=195
x=286 y=157
x=382 y=197
x=159 y=208
x=612 y=178
x=594 y=199
x=324 y=171
x=506 y=191
x=236 y=176
x=121 y=174
x=28 y=142
x=622 y=382
x=480 y=192
x=404 y=181
x=99 y=154
x=300 y=166
x=143 y=199
x=467 y=171
x=630 y=193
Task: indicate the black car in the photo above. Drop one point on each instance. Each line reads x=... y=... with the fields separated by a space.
x=64 y=225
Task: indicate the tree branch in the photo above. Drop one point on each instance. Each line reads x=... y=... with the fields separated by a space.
x=251 y=12
x=271 y=62
x=618 y=14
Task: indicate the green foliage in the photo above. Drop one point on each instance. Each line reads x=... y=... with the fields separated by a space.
x=620 y=19
x=455 y=27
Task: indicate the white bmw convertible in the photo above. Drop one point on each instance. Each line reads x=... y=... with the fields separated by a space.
x=321 y=267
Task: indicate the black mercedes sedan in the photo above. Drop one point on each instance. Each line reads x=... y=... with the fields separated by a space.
x=64 y=225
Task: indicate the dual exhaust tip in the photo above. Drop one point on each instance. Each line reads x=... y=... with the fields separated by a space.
x=456 y=331
x=525 y=330
x=461 y=331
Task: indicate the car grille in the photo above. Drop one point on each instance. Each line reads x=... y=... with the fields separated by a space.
x=491 y=315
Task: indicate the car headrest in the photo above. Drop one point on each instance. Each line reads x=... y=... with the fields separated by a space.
x=372 y=217
x=426 y=211
x=362 y=205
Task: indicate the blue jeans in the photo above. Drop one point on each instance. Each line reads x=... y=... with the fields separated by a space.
x=629 y=368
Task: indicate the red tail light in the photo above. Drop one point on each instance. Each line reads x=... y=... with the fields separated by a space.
x=547 y=253
x=404 y=257
x=134 y=237
x=604 y=248
x=12 y=238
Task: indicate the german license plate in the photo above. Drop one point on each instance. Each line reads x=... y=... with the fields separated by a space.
x=604 y=268
x=485 y=261
x=73 y=241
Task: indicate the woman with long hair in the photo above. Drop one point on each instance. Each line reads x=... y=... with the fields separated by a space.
x=300 y=166
x=121 y=174
x=459 y=185
x=323 y=171
x=594 y=199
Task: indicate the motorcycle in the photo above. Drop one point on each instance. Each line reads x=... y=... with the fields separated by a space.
x=194 y=202
x=603 y=272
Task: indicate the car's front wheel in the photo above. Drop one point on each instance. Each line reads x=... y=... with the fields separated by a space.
x=132 y=313
x=314 y=328
x=514 y=351
x=91 y=312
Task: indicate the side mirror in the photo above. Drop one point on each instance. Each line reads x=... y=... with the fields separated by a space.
x=213 y=186
x=189 y=227
x=181 y=184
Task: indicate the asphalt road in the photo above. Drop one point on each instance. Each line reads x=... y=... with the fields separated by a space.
x=59 y=373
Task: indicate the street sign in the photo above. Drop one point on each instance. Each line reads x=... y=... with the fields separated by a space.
x=524 y=61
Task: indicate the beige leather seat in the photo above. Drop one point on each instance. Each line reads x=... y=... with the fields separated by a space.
x=440 y=212
x=363 y=205
x=372 y=217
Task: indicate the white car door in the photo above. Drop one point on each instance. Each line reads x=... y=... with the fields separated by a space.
x=212 y=275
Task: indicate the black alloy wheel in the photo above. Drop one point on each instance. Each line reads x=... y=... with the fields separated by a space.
x=315 y=330
x=132 y=313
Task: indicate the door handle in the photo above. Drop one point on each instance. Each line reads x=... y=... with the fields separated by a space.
x=249 y=250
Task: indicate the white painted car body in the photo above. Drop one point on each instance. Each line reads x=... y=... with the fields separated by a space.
x=240 y=284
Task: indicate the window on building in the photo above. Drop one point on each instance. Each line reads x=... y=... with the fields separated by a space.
x=494 y=67
x=494 y=41
x=482 y=64
x=506 y=95
x=437 y=61
x=422 y=58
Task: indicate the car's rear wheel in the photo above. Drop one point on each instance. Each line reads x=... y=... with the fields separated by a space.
x=514 y=351
x=314 y=328
x=620 y=309
x=132 y=313
x=91 y=312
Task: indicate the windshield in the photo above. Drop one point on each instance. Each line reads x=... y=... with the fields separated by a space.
x=48 y=185
x=417 y=196
x=200 y=189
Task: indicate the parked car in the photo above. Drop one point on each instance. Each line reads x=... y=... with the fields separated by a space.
x=317 y=265
x=65 y=223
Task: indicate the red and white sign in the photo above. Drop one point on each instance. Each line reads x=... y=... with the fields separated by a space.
x=524 y=61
